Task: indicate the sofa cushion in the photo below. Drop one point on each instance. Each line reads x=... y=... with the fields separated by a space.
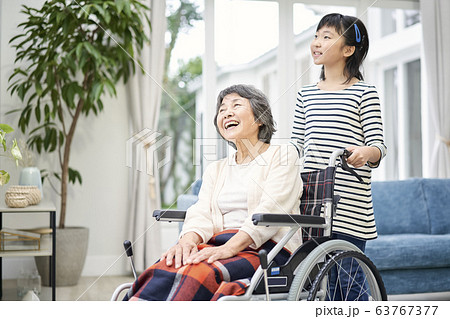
x=400 y=208
x=409 y=251
x=185 y=201
x=437 y=196
x=413 y=281
x=195 y=187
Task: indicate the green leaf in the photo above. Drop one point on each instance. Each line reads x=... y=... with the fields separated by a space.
x=50 y=80
x=100 y=105
x=16 y=37
x=60 y=17
x=6 y=128
x=61 y=138
x=4 y=177
x=93 y=51
x=15 y=152
x=37 y=113
x=57 y=176
x=38 y=88
x=127 y=8
x=74 y=176
x=13 y=111
x=16 y=72
x=47 y=112
x=97 y=90
x=120 y=5
x=3 y=140
x=79 y=50
x=111 y=88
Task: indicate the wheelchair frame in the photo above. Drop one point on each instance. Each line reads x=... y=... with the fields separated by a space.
x=304 y=276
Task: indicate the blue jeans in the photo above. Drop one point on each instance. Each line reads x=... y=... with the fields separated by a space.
x=347 y=280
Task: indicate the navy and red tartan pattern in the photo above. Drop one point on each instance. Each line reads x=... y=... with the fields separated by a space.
x=317 y=186
x=202 y=281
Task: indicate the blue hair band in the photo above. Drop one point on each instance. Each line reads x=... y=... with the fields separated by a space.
x=358 y=33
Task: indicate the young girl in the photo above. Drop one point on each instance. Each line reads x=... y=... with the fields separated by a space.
x=342 y=111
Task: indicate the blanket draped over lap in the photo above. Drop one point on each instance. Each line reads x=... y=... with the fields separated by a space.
x=202 y=281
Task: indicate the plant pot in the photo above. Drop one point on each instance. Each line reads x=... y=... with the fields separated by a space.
x=31 y=176
x=71 y=249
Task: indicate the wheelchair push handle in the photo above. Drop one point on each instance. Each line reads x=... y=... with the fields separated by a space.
x=343 y=154
x=347 y=168
x=128 y=248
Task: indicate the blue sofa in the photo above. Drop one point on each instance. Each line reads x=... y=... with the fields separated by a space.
x=412 y=250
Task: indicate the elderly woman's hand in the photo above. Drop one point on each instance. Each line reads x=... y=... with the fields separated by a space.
x=231 y=248
x=186 y=247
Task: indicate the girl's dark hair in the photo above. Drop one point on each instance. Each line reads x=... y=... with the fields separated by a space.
x=355 y=34
x=260 y=107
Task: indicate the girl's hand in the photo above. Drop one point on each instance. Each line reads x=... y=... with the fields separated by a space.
x=185 y=248
x=363 y=154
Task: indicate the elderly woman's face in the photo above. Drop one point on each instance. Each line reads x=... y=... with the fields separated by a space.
x=235 y=119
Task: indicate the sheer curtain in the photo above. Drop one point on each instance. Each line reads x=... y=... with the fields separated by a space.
x=144 y=97
x=436 y=43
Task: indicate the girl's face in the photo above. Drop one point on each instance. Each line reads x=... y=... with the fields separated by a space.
x=327 y=47
x=236 y=120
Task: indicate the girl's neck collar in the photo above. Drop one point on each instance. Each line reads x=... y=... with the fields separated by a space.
x=336 y=85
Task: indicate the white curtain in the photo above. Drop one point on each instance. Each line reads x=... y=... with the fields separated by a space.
x=436 y=43
x=144 y=96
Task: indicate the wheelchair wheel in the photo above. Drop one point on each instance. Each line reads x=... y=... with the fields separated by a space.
x=308 y=270
x=348 y=275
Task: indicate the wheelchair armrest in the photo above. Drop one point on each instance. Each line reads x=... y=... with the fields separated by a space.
x=169 y=215
x=288 y=220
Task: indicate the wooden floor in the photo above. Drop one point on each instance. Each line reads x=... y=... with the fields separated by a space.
x=102 y=288
x=87 y=289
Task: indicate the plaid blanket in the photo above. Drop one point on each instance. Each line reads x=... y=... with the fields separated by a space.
x=202 y=281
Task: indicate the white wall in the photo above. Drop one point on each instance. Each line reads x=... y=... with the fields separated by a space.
x=98 y=152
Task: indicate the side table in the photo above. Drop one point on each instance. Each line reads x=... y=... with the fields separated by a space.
x=44 y=206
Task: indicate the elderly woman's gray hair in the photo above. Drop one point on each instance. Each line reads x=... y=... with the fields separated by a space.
x=260 y=107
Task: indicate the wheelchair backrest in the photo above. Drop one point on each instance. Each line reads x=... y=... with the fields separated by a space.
x=317 y=187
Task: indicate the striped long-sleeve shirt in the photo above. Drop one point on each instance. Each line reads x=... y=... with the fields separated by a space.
x=328 y=120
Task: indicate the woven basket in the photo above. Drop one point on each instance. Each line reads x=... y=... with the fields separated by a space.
x=22 y=196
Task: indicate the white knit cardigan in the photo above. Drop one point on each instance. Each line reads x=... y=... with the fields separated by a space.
x=275 y=187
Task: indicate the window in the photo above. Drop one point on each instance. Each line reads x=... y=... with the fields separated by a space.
x=266 y=84
x=413 y=107
x=411 y=17
x=388 y=21
x=390 y=117
x=402 y=113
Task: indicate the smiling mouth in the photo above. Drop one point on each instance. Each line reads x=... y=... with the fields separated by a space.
x=231 y=124
x=317 y=53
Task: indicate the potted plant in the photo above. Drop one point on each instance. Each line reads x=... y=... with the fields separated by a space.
x=71 y=53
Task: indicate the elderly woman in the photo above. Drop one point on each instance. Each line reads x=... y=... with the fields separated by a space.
x=218 y=243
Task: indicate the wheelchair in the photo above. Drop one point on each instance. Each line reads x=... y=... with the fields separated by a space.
x=322 y=268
